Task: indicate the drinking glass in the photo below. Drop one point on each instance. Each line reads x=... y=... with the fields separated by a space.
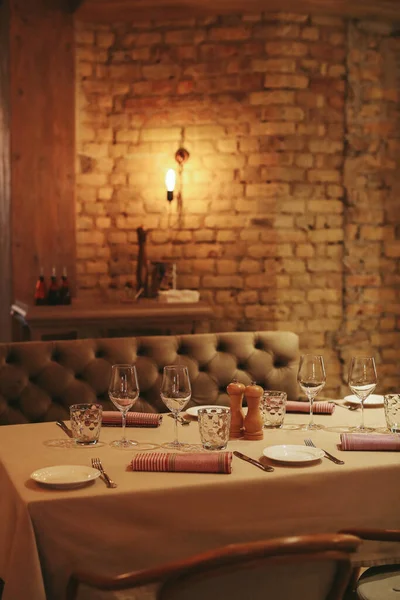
x=311 y=378
x=362 y=382
x=175 y=393
x=392 y=412
x=86 y=423
x=123 y=392
x=273 y=408
x=214 y=425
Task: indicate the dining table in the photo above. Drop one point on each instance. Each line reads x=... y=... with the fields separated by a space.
x=152 y=518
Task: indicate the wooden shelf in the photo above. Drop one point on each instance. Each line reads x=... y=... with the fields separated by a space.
x=100 y=319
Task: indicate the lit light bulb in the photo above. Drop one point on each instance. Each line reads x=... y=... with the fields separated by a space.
x=170 y=183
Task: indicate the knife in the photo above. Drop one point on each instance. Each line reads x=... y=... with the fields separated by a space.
x=252 y=461
x=180 y=419
x=64 y=427
x=347 y=407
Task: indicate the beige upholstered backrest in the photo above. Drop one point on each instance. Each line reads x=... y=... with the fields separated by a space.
x=40 y=380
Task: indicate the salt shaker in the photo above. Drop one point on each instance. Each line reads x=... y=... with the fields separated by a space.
x=235 y=391
x=253 y=422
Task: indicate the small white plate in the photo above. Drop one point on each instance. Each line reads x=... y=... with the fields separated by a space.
x=65 y=476
x=193 y=411
x=293 y=454
x=373 y=401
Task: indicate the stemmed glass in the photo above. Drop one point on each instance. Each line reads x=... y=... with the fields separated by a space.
x=123 y=391
x=311 y=377
x=175 y=393
x=362 y=382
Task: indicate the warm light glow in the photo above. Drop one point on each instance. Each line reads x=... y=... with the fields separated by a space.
x=170 y=180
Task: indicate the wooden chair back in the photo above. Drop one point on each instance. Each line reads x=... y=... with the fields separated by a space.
x=315 y=567
x=379 y=535
x=382 y=535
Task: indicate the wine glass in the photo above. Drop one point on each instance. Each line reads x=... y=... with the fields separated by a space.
x=175 y=393
x=362 y=382
x=123 y=391
x=311 y=378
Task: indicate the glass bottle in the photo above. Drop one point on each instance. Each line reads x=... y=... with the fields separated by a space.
x=65 y=295
x=40 y=295
x=53 y=296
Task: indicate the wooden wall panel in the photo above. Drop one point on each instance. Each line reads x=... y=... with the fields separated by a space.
x=5 y=234
x=42 y=141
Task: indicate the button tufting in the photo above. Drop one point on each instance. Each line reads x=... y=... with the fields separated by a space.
x=279 y=363
x=87 y=362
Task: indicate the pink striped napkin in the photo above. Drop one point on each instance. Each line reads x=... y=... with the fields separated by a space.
x=319 y=408
x=366 y=441
x=112 y=418
x=196 y=462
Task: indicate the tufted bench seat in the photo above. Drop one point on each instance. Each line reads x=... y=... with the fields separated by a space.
x=40 y=380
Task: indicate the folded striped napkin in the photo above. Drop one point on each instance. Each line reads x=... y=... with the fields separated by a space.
x=112 y=418
x=195 y=462
x=370 y=441
x=319 y=408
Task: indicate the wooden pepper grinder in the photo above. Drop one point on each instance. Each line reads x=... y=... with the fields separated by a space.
x=253 y=422
x=236 y=391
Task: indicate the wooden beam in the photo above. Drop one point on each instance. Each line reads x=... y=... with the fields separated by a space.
x=42 y=92
x=131 y=10
x=5 y=190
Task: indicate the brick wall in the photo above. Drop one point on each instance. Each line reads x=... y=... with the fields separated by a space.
x=288 y=218
x=372 y=214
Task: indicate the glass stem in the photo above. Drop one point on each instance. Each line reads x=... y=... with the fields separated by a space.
x=362 y=426
x=176 y=429
x=123 y=439
x=311 y=400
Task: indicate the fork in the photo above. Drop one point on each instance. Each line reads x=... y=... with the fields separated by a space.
x=96 y=464
x=310 y=443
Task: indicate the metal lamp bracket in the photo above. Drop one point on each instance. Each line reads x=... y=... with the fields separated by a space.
x=181 y=156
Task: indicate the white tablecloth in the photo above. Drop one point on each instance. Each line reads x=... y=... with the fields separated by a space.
x=152 y=518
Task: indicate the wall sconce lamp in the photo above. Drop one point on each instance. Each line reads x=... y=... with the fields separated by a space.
x=170 y=184
x=181 y=156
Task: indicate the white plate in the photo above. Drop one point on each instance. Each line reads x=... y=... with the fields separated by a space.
x=293 y=454
x=372 y=401
x=65 y=476
x=193 y=411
